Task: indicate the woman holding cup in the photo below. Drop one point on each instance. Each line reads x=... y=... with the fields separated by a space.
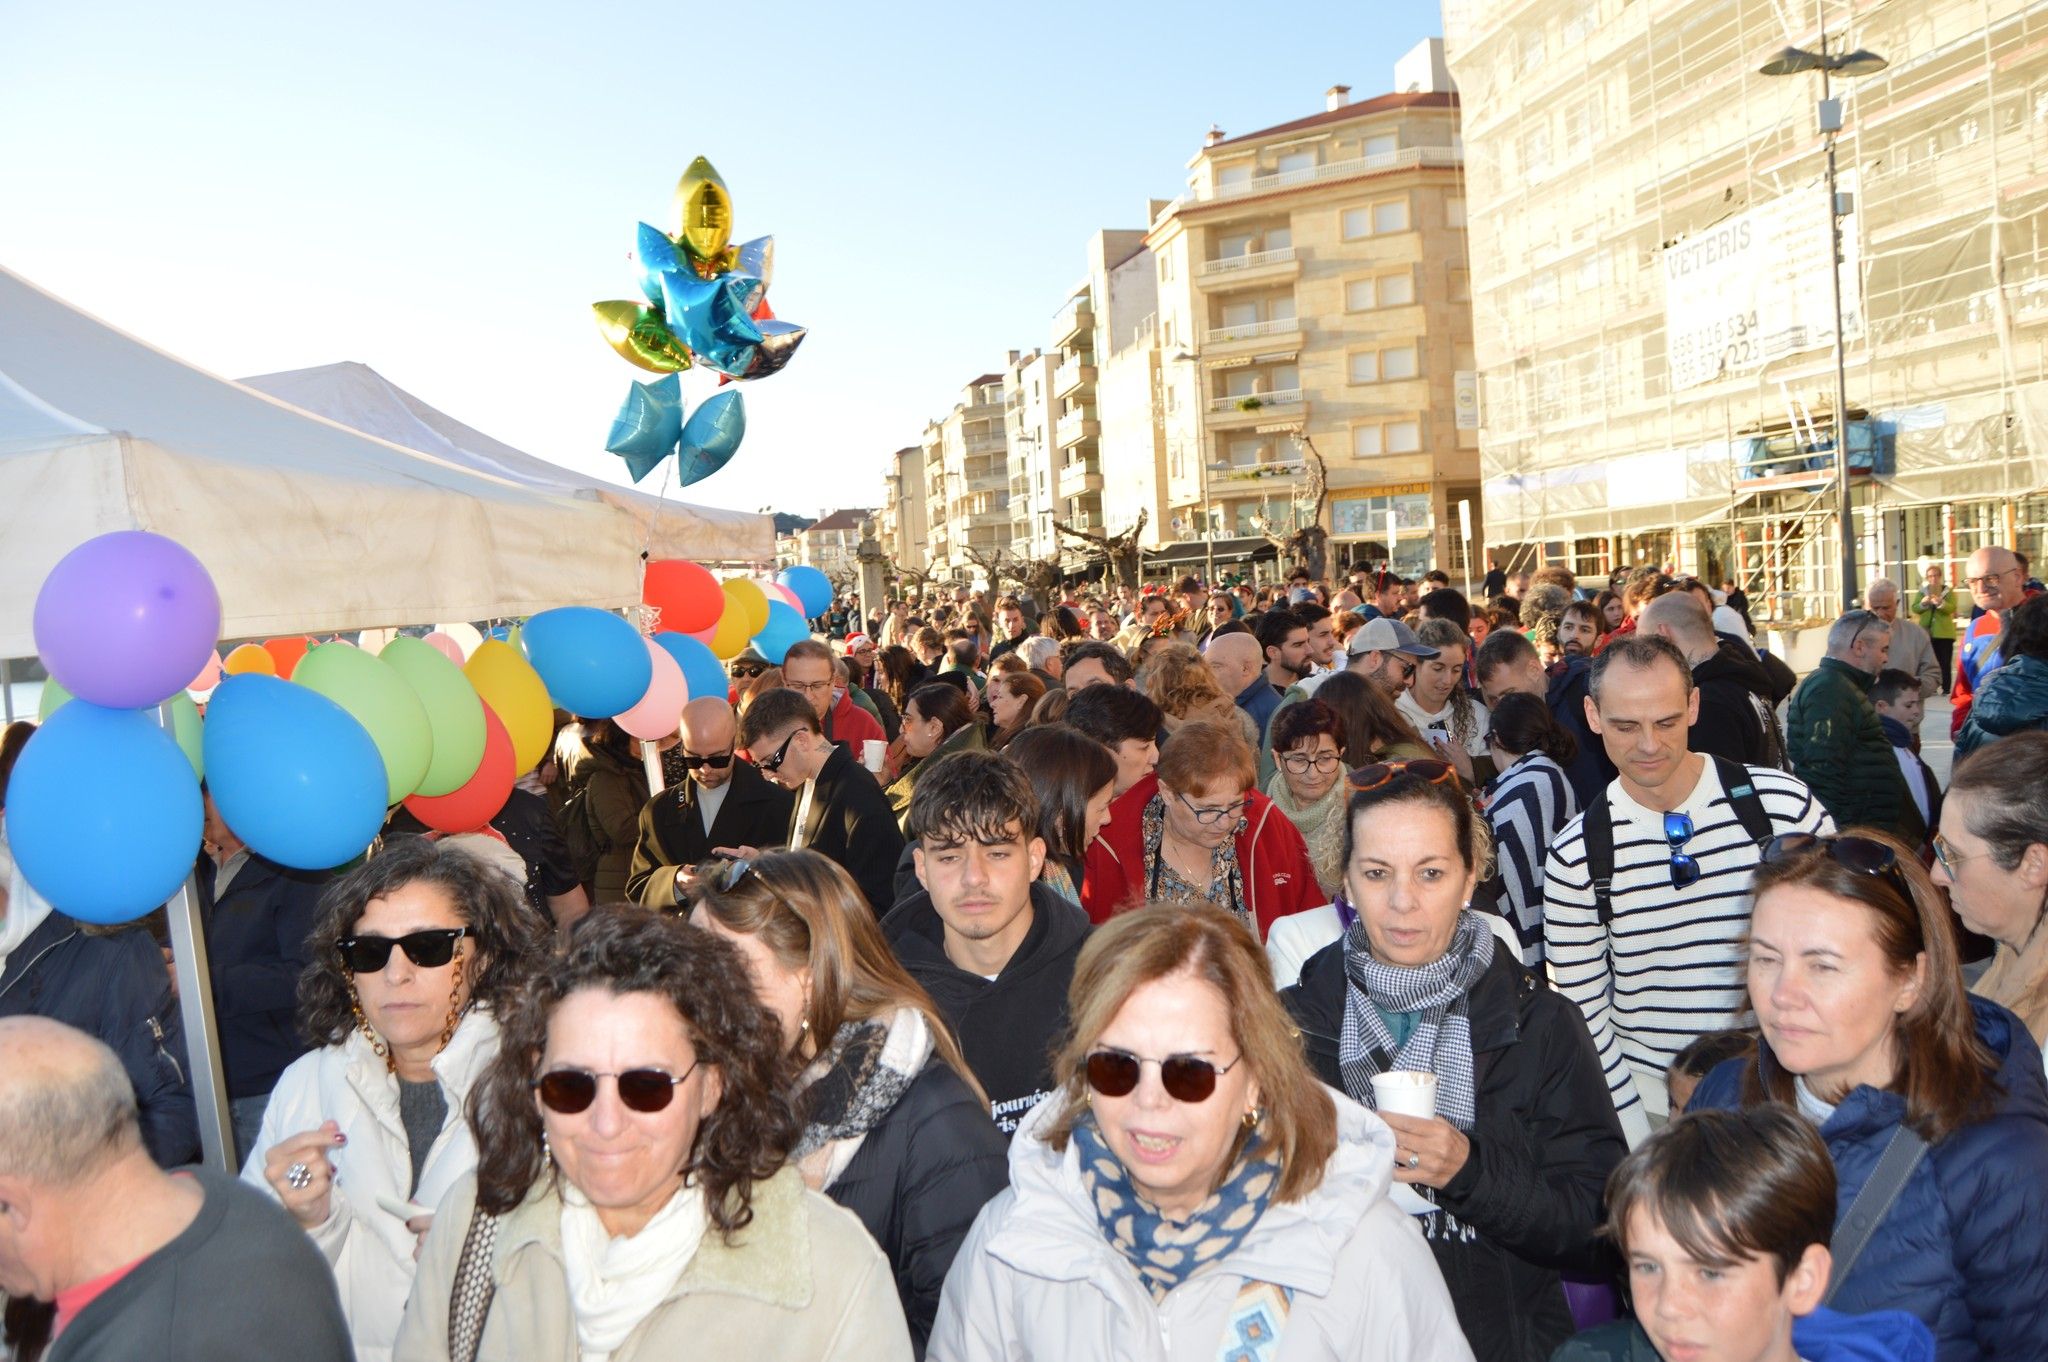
x=1504 y=1130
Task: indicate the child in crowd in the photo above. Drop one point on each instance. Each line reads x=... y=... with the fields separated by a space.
x=1900 y=707
x=1698 y=1059
x=1724 y=1219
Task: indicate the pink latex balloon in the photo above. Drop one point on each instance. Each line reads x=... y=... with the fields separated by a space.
x=704 y=636
x=446 y=646
x=775 y=591
x=209 y=675
x=659 y=712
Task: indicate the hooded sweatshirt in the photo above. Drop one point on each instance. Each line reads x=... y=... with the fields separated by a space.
x=1007 y=1025
x=1590 y=771
x=1736 y=719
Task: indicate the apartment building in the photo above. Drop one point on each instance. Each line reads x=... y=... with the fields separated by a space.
x=1654 y=324
x=967 y=480
x=1312 y=282
x=832 y=544
x=900 y=523
x=1029 y=408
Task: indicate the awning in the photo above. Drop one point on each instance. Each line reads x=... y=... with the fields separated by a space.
x=1248 y=549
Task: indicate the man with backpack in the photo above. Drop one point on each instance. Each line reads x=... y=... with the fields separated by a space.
x=1646 y=894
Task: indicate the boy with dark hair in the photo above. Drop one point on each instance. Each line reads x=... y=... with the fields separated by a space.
x=1444 y=603
x=1725 y=1221
x=1091 y=662
x=1124 y=721
x=993 y=944
x=1900 y=706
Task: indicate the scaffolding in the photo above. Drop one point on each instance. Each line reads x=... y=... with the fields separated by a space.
x=1611 y=145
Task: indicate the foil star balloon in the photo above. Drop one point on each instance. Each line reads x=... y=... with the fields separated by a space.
x=710 y=315
x=656 y=255
x=703 y=209
x=640 y=336
x=649 y=423
x=757 y=257
x=779 y=341
x=710 y=436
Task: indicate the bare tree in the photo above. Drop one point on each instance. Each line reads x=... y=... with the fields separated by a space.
x=1042 y=577
x=996 y=564
x=1309 y=545
x=1118 y=551
x=922 y=578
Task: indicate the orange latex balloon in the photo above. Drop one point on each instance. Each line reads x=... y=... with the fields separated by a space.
x=249 y=658
x=286 y=652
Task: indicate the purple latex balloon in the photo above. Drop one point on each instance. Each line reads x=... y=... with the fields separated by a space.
x=126 y=619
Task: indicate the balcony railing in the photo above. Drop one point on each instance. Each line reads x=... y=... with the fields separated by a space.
x=1076 y=426
x=1403 y=159
x=1249 y=402
x=1070 y=374
x=984 y=444
x=1075 y=316
x=1217 y=335
x=1256 y=259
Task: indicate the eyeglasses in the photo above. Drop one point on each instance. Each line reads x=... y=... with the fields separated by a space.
x=1379 y=774
x=1115 y=1073
x=1209 y=816
x=717 y=761
x=747 y=671
x=1685 y=871
x=1860 y=854
x=1301 y=762
x=429 y=949
x=808 y=688
x=569 y=1091
x=770 y=765
x=1946 y=853
x=1990 y=579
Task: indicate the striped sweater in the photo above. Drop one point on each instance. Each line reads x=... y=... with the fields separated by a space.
x=1668 y=968
x=1527 y=806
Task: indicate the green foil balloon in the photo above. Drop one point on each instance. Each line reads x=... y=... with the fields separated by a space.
x=383 y=702
x=187 y=728
x=454 y=713
x=640 y=336
x=703 y=210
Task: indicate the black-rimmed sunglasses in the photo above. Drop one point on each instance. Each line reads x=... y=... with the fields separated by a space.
x=569 y=1091
x=1860 y=854
x=746 y=671
x=717 y=761
x=768 y=766
x=1115 y=1073
x=429 y=949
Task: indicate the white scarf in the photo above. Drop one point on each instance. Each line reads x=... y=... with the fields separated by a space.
x=22 y=910
x=616 y=1283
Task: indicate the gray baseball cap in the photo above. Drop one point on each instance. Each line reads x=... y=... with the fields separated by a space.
x=1385 y=635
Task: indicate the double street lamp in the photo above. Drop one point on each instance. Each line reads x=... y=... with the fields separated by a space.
x=1794 y=61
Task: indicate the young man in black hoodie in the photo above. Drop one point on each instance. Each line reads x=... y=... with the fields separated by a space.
x=992 y=944
x=1506 y=662
x=1737 y=719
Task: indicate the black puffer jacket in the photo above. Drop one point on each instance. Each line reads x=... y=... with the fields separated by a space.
x=1737 y=718
x=1527 y=1203
x=919 y=1179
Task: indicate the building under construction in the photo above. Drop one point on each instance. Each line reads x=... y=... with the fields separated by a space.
x=1653 y=318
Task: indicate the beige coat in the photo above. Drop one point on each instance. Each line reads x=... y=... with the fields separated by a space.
x=802 y=1282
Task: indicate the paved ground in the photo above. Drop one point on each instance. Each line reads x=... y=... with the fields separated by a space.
x=1935 y=748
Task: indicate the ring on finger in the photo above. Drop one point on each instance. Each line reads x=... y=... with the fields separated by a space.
x=298 y=1177
x=1414 y=1159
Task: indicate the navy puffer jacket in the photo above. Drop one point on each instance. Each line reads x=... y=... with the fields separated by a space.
x=2012 y=699
x=1964 y=1248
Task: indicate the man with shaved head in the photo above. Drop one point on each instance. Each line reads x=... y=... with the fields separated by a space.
x=1997 y=583
x=129 y=1261
x=724 y=803
x=1736 y=718
x=1234 y=658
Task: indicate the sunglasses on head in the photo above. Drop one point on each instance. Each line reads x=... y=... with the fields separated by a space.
x=717 y=761
x=1685 y=871
x=1114 y=1073
x=1860 y=854
x=429 y=949
x=1379 y=774
x=569 y=1091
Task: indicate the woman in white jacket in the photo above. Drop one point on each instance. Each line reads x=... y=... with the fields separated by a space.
x=365 y=1135
x=1190 y=1190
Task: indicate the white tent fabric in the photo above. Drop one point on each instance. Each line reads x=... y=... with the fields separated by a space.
x=363 y=399
x=306 y=526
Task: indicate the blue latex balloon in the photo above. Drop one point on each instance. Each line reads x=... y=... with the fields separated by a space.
x=657 y=256
x=811 y=586
x=500 y=633
x=710 y=437
x=593 y=662
x=293 y=773
x=711 y=317
x=649 y=423
x=783 y=628
x=103 y=813
x=703 y=673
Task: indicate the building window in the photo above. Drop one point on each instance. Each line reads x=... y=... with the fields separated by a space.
x=1360 y=295
x=1296 y=163
x=1454 y=212
x=1390 y=216
x=1401 y=436
x=1404 y=437
x=1234 y=176
x=1382 y=144
x=1357 y=223
x=1386 y=365
x=1366 y=441
x=1396 y=290
x=1365 y=366
x=1461 y=286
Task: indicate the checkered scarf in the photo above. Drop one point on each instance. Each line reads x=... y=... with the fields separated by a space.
x=1442 y=1041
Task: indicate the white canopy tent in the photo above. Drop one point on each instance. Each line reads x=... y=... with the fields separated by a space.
x=359 y=397
x=306 y=525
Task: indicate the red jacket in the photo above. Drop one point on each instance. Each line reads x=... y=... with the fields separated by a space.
x=849 y=725
x=1273 y=860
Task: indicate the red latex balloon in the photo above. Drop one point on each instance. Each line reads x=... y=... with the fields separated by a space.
x=688 y=597
x=286 y=652
x=477 y=801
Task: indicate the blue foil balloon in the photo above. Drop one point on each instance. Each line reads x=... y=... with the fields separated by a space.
x=779 y=340
x=757 y=257
x=783 y=628
x=649 y=423
x=710 y=437
x=293 y=773
x=811 y=586
x=657 y=256
x=703 y=673
x=711 y=317
x=103 y=813
x=593 y=662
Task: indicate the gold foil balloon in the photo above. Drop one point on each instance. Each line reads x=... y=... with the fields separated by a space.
x=640 y=336
x=703 y=211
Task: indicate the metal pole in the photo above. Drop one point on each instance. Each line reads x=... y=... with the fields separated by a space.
x=1845 y=507
x=7 y=688
x=1208 y=515
x=195 y=1009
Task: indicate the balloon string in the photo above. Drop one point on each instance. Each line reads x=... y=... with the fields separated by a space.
x=647 y=548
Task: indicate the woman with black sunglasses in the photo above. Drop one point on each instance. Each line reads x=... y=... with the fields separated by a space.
x=415 y=955
x=1868 y=1031
x=1189 y=1191
x=1504 y=1130
x=632 y=1197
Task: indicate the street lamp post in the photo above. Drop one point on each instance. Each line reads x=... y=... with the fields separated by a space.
x=1202 y=471
x=1860 y=62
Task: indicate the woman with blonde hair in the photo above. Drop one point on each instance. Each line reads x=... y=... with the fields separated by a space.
x=896 y=1129
x=1189 y=1184
x=1176 y=679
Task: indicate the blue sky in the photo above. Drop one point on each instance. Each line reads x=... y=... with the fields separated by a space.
x=439 y=190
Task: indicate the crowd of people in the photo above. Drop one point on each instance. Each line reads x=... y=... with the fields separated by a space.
x=1323 y=969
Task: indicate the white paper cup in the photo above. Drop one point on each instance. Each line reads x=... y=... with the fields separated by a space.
x=873 y=753
x=1405 y=1093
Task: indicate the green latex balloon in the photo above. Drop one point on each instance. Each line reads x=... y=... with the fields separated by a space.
x=454 y=713
x=383 y=702
x=55 y=697
x=185 y=727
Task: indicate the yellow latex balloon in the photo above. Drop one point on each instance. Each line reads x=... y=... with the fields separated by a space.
x=640 y=336
x=517 y=695
x=729 y=639
x=703 y=210
x=250 y=657
x=750 y=600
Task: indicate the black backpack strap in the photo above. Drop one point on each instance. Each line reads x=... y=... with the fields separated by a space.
x=1740 y=787
x=1598 y=831
x=1902 y=1154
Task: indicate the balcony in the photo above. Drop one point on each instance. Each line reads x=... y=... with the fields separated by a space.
x=1072 y=373
x=1246 y=331
x=1243 y=271
x=1076 y=319
x=997 y=481
x=984 y=444
x=1074 y=427
x=1079 y=477
x=1252 y=409
x=1406 y=158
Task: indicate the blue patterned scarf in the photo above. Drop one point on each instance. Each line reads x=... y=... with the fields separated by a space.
x=1165 y=1252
